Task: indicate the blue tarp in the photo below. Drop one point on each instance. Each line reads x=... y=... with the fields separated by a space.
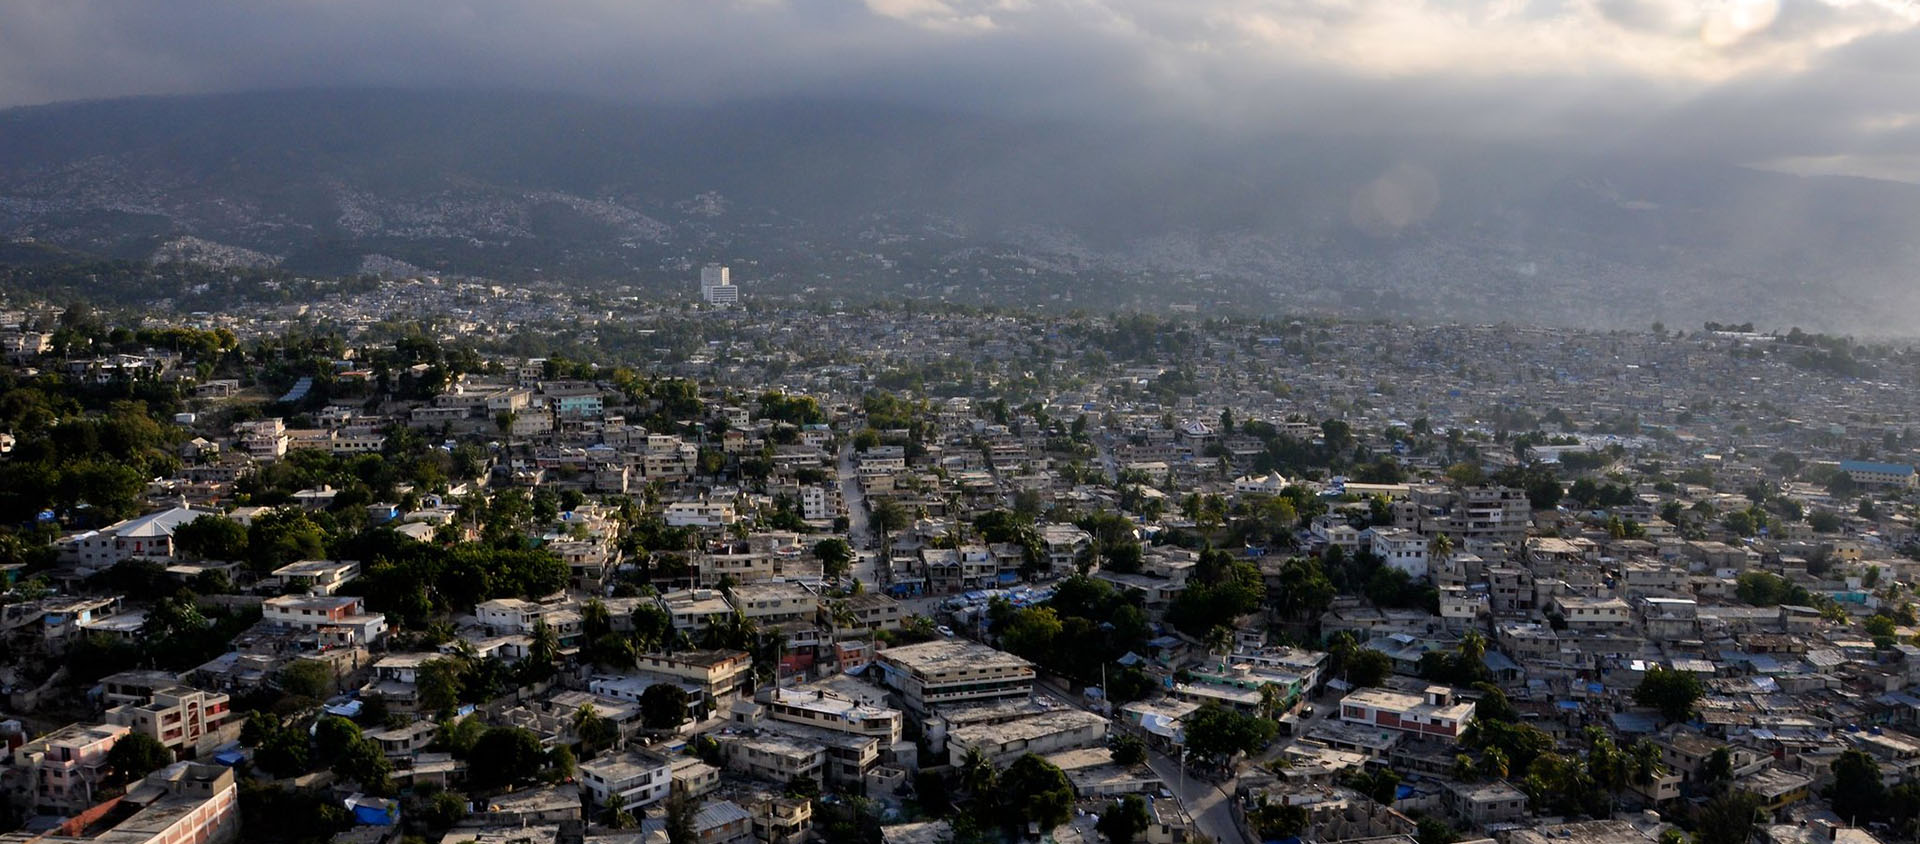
x=229 y=758
x=375 y=815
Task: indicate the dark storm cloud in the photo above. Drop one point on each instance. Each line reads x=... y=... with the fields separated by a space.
x=1750 y=79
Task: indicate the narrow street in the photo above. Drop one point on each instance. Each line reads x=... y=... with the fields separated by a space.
x=859 y=531
x=1208 y=803
x=1102 y=443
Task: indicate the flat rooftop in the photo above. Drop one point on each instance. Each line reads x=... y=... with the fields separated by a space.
x=1027 y=729
x=946 y=654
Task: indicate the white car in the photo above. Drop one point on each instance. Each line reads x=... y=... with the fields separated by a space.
x=944 y=631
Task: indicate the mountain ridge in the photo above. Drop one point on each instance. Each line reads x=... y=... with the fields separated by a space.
x=859 y=199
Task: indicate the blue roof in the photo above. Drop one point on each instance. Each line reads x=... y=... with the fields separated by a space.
x=1870 y=466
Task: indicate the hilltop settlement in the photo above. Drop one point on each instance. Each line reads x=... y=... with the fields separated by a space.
x=415 y=562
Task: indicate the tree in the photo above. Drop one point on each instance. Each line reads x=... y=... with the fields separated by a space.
x=1858 y=793
x=1381 y=785
x=1432 y=830
x=1719 y=767
x=503 y=756
x=211 y=537
x=663 y=706
x=438 y=686
x=1276 y=820
x=136 y=755
x=1216 y=732
x=560 y=763
x=1031 y=633
x=617 y=816
x=1670 y=691
x=1035 y=791
x=1129 y=750
x=595 y=733
x=680 y=811
x=1369 y=667
x=931 y=788
x=835 y=556
x=1124 y=820
x=1730 y=818
x=306 y=678
x=363 y=762
x=544 y=647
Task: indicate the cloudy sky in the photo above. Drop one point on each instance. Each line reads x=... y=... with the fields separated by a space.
x=1810 y=84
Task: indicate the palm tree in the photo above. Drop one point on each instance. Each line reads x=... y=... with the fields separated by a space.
x=1220 y=640
x=595 y=621
x=545 y=646
x=1270 y=700
x=1473 y=647
x=617 y=815
x=838 y=616
x=1463 y=769
x=1494 y=763
x=1647 y=767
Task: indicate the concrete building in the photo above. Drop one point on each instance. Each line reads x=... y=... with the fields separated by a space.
x=1867 y=473
x=315 y=577
x=828 y=710
x=719 y=675
x=186 y=803
x=1402 y=549
x=178 y=717
x=952 y=671
x=716 y=286
x=332 y=620
x=640 y=777
x=61 y=772
x=1002 y=743
x=149 y=537
x=1435 y=714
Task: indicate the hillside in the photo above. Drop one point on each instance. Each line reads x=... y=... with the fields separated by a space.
x=859 y=200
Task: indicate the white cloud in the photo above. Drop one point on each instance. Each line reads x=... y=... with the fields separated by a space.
x=1798 y=77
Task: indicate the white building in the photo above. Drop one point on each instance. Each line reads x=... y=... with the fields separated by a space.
x=1436 y=713
x=337 y=620
x=149 y=537
x=640 y=777
x=716 y=286
x=703 y=514
x=1402 y=549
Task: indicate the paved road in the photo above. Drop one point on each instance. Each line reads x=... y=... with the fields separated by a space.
x=859 y=532
x=1101 y=449
x=1207 y=802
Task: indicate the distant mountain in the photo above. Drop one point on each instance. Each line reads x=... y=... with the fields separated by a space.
x=861 y=200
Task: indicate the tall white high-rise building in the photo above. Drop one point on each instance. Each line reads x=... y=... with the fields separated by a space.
x=716 y=286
